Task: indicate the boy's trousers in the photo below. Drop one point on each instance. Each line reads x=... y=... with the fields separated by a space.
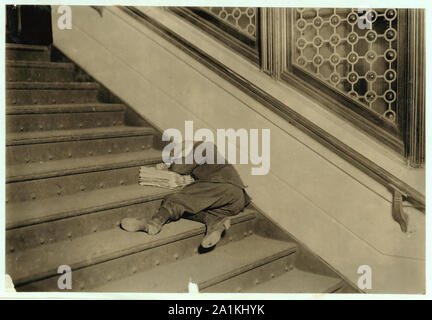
x=211 y=198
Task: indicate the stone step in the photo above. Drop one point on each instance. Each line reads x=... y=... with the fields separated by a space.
x=27 y=52
x=33 y=223
x=65 y=177
x=25 y=93
x=299 y=281
x=64 y=108
x=48 y=146
x=32 y=171
x=105 y=256
x=63 y=117
x=27 y=213
x=39 y=71
x=72 y=175
x=221 y=265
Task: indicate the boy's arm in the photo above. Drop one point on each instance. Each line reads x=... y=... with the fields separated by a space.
x=188 y=168
x=178 y=168
x=182 y=168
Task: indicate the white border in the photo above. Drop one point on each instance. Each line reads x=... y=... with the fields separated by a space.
x=258 y=3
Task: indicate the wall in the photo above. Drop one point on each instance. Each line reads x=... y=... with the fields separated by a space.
x=319 y=198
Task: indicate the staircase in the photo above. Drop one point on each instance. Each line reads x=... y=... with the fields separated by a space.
x=72 y=172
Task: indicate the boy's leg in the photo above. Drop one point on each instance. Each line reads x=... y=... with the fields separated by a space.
x=218 y=220
x=151 y=226
x=217 y=217
x=172 y=208
x=220 y=200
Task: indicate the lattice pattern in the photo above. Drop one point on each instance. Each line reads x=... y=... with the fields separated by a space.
x=242 y=19
x=337 y=47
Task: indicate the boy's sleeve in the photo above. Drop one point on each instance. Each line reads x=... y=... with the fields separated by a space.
x=188 y=168
x=183 y=168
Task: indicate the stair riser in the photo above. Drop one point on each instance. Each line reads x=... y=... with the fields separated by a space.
x=75 y=149
x=50 y=96
x=63 y=121
x=70 y=228
x=28 y=55
x=70 y=184
x=39 y=74
x=255 y=276
x=99 y=274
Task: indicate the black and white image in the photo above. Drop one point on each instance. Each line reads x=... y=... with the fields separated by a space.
x=215 y=149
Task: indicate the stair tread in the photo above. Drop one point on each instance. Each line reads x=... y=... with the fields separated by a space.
x=65 y=108
x=28 y=85
x=41 y=262
x=32 y=212
x=298 y=281
x=54 y=168
x=31 y=137
x=204 y=269
x=18 y=46
x=39 y=64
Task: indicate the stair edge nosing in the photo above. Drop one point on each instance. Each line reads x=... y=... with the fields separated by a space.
x=65 y=108
x=77 y=136
x=83 y=263
x=39 y=64
x=82 y=211
x=84 y=169
x=28 y=85
x=29 y=47
x=338 y=285
x=245 y=268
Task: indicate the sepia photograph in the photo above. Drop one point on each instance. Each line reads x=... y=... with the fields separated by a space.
x=236 y=150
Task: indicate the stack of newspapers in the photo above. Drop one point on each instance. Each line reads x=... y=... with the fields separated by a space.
x=163 y=178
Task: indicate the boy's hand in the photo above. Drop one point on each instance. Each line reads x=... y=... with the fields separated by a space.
x=163 y=166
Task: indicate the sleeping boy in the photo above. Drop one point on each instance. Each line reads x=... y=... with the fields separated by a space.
x=217 y=194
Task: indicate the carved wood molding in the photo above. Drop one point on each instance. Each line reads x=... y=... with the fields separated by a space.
x=271 y=41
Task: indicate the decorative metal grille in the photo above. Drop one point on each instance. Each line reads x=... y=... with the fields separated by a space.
x=353 y=51
x=242 y=19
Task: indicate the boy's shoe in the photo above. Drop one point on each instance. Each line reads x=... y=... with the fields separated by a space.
x=214 y=232
x=151 y=226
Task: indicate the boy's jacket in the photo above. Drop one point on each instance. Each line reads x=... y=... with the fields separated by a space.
x=218 y=173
